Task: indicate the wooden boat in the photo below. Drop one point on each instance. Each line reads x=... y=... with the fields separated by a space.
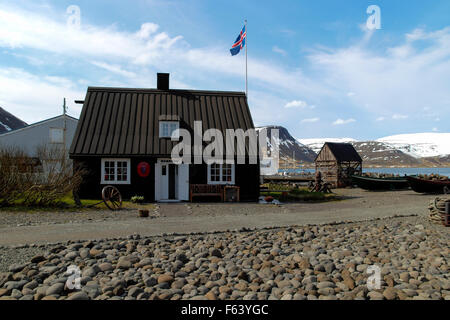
x=429 y=186
x=369 y=183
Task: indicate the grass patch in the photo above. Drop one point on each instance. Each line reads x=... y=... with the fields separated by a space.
x=292 y=194
x=67 y=204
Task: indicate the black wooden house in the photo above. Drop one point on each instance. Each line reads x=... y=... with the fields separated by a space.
x=123 y=139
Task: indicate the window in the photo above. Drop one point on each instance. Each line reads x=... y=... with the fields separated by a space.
x=166 y=128
x=115 y=171
x=56 y=135
x=221 y=173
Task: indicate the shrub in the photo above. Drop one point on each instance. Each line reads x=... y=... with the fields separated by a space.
x=36 y=181
x=137 y=199
x=15 y=174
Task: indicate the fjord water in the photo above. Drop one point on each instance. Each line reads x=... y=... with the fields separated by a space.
x=394 y=171
x=410 y=171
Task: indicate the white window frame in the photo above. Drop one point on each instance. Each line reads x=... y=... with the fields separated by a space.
x=232 y=182
x=115 y=160
x=161 y=125
x=52 y=141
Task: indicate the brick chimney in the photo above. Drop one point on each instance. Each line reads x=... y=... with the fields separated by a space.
x=163 y=81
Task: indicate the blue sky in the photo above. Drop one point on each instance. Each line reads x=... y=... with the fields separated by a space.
x=314 y=66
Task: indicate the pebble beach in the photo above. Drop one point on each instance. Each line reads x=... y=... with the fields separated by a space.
x=328 y=261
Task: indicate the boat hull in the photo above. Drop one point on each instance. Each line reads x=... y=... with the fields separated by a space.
x=373 y=184
x=428 y=186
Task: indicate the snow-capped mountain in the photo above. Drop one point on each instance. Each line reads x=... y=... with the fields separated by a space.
x=376 y=153
x=427 y=149
x=289 y=147
x=420 y=145
x=372 y=152
x=317 y=144
x=8 y=122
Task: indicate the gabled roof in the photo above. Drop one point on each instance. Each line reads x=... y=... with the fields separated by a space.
x=9 y=122
x=36 y=124
x=342 y=151
x=123 y=122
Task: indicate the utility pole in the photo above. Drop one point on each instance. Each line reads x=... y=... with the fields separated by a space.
x=64 y=130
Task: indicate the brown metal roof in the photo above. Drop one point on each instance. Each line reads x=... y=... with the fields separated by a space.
x=121 y=122
x=343 y=151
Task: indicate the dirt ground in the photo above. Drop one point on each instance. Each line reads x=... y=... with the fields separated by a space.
x=358 y=205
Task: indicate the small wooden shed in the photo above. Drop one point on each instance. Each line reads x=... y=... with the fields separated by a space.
x=337 y=162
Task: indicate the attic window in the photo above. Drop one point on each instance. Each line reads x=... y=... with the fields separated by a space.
x=56 y=135
x=166 y=128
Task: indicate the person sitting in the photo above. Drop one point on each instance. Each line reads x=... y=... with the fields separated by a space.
x=318 y=181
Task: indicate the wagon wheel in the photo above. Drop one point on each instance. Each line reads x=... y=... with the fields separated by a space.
x=112 y=198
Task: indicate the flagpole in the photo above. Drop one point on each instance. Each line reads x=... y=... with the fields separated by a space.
x=246 y=43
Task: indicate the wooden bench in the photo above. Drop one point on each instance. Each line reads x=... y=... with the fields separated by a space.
x=205 y=190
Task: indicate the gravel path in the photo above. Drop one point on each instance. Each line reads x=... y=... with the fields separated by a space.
x=309 y=262
x=34 y=218
x=186 y=218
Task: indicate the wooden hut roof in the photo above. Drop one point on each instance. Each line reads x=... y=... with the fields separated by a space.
x=343 y=151
x=124 y=122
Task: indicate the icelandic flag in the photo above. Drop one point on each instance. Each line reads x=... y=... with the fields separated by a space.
x=239 y=43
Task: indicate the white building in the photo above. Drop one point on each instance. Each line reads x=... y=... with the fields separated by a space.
x=54 y=132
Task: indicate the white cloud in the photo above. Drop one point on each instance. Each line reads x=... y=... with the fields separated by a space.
x=351 y=94
x=399 y=116
x=279 y=50
x=310 y=120
x=380 y=119
x=296 y=104
x=386 y=78
x=146 y=30
x=435 y=129
x=146 y=47
x=114 y=68
x=342 y=122
x=23 y=29
x=33 y=98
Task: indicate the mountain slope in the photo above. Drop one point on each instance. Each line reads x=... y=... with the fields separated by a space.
x=373 y=153
x=8 y=122
x=376 y=153
x=420 y=145
x=317 y=144
x=289 y=147
x=421 y=149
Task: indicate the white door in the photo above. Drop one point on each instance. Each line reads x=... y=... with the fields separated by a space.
x=171 y=181
x=183 y=182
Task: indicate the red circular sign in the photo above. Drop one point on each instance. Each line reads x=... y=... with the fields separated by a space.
x=143 y=169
